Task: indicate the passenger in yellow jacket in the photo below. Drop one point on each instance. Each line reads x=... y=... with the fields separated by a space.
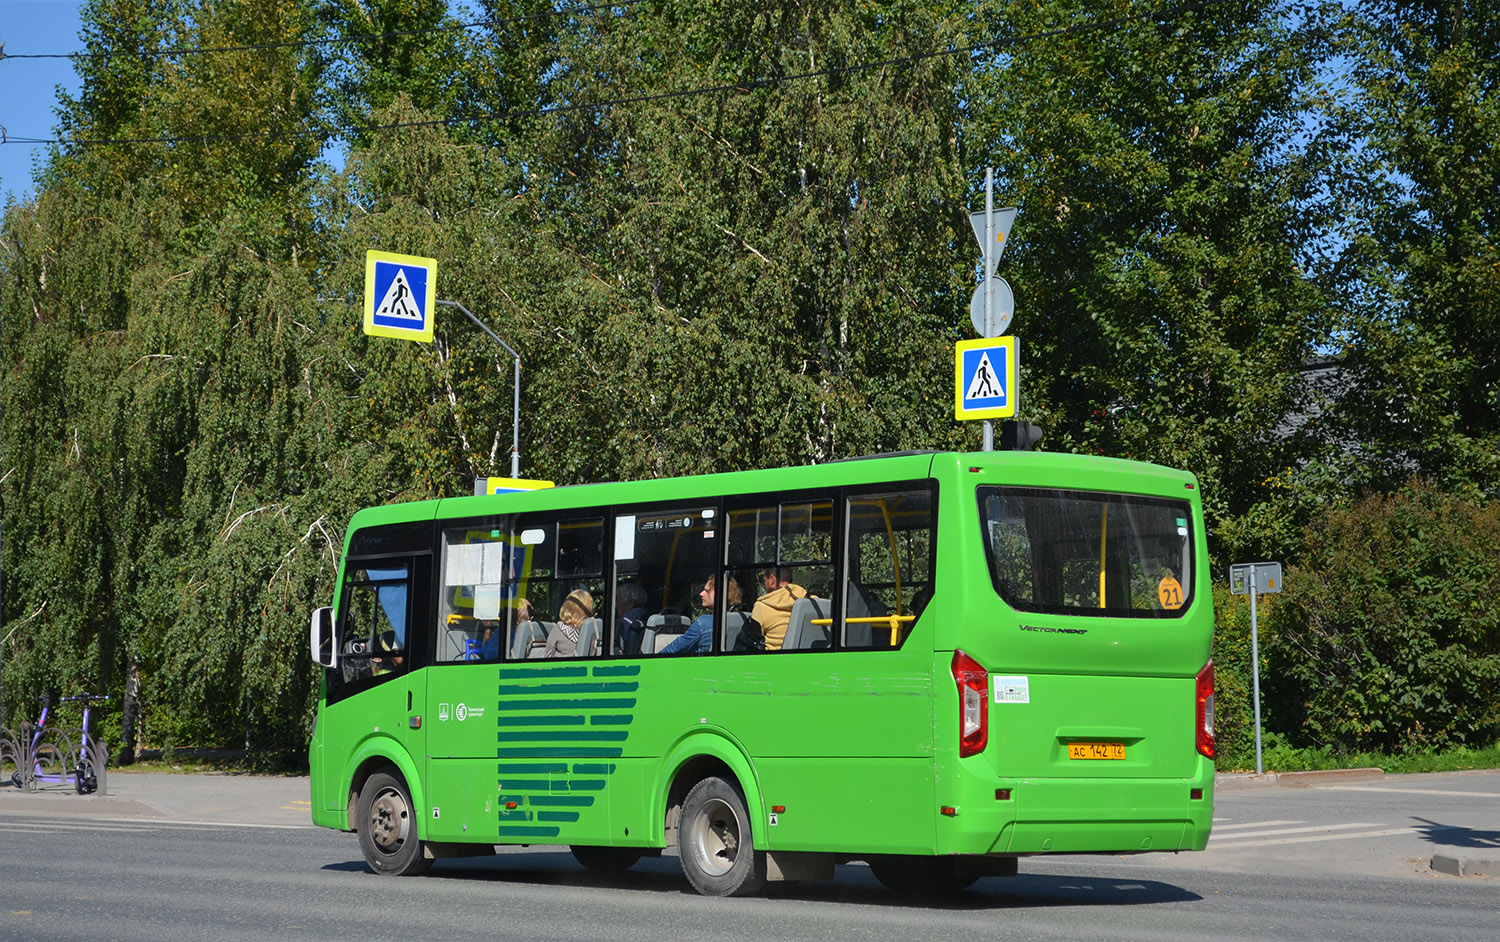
x=773 y=611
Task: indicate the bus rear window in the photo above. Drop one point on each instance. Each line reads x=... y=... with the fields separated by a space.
x=1088 y=553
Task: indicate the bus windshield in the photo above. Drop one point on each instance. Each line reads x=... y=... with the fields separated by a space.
x=1086 y=553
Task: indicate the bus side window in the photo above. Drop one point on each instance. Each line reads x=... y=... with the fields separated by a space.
x=783 y=552
x=472 y=601
x=557 y=568
x=888 y=569
x=663 y=557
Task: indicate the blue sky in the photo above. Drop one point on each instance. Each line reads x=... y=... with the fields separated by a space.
x=28 y=87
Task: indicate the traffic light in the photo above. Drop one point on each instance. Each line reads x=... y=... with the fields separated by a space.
x=1018 y=436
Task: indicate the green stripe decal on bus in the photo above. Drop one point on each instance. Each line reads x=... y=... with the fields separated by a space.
x=532 y=768
x=550 y=801
x=512 y=830
x=526 y=784
x=540 y=720
x=542 y=752
x=563 y=736
x=620 y=670
x=599 y=703
x=559 y=711
x=544 y=672
x=597 y=687
x=611 y=719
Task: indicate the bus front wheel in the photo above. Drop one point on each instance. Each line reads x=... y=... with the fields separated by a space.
x=716 y=844
x=388 y=827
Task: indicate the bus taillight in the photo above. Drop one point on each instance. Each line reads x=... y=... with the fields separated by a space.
x=973 y=704
x=1205 y=712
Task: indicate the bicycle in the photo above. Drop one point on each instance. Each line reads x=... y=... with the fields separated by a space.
x=84 y=763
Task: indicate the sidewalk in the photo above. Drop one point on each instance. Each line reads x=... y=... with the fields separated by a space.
x=198 y=798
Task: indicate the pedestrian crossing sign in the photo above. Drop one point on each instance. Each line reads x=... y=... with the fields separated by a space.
x=400 y=295
x=986 y=378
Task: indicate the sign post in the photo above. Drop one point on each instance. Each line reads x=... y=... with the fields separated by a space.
x=993 y=305
x=1254 y=579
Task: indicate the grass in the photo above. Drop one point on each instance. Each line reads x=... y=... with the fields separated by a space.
x=1278 y=756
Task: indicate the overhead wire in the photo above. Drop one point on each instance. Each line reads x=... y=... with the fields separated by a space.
x=325 y=41
x=1110 y=25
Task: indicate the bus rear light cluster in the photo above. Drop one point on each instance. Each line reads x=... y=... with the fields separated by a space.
x=973 y=704
x=1204 y=720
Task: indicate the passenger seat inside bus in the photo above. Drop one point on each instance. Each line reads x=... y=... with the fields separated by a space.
x=859 y=605
x=734 y=623
x=801 y=633
x=588 y=637
x=530 y=636
x=662 y=630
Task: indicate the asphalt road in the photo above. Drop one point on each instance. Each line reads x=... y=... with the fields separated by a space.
x=233 y=859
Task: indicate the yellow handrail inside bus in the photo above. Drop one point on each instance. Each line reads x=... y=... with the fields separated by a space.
x=895 y=621
x=1103 y=534
x=890 y=534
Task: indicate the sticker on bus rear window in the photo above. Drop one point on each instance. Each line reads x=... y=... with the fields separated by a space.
x=1169 y=592
x=1012 y=689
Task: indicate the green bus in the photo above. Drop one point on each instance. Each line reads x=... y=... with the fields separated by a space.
x=935 y=663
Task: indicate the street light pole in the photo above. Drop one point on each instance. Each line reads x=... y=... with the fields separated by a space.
x=515 y=440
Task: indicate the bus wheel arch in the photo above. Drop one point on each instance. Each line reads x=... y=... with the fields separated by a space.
x=701 y=756
x=371 y=760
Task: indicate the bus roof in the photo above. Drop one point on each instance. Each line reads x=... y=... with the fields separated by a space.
x=1031 y=468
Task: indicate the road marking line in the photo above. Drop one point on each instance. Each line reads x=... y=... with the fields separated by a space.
x=1404 y=791
x=1314 y=827
x=51 y=826
x=1322 y=837
x=161 y=822
x=1253 y=824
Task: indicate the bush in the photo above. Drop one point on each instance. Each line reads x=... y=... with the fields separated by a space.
x=1387 y=636
x=1234 y=705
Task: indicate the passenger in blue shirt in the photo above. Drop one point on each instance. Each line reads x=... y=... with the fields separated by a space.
x=699 y=637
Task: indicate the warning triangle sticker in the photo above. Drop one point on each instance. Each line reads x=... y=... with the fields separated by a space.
x=985 y=384
x=398 y=300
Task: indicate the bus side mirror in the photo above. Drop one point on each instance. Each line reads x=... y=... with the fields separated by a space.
x=320 y=638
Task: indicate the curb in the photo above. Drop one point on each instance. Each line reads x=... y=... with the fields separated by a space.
x=1465 y=866
x=1304 y=779
x=1235 y=781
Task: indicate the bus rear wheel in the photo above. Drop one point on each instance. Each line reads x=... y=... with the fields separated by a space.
x=716 y=842
x=388 y=827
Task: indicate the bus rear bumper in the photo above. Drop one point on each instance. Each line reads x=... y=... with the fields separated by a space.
x=1061 y=816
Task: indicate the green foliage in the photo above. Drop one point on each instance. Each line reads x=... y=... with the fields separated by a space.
x=1418 y=277
x=1278 y=755
x=1234 y=687
x=1387 y=636
x=1161 y=239
x=768 y=273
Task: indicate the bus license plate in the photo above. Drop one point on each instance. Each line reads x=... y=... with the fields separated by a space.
x=1096 y=750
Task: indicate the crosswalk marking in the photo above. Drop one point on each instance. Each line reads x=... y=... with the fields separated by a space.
x=1388 y=832
x=1302 y=830
x=1252 y=824
x=1404 y=791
